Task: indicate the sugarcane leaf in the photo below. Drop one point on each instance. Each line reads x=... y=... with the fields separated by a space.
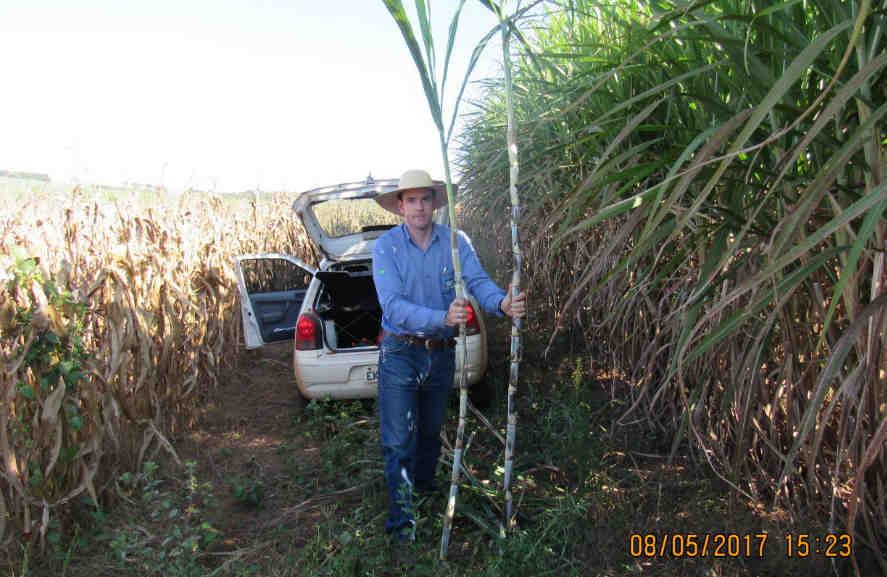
x=656 y=215
x=776 y=93
x=476 y=53
x=472 y=62
x=826 y=175
x=875 y=448
x=783 y=290
x=812 y=193
x=750 y=63
x=611 y=211
x=832 y=369
x=451 y=38
x=493 y=7
x=396 y=9
x=776 y=8
x=511 y=22
x=834 y=106
x=623 y=134
x=626 y=130
x=844 y=392
x=869 y=223
x=422 y=10
x=659 y=88
x=853 y=211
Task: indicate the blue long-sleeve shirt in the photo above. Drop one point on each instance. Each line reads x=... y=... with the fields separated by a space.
x=415 y=287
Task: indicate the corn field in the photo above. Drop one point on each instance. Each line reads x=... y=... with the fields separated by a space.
x=704 y=191
x=117 y=318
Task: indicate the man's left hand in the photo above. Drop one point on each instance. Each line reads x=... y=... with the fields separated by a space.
x=514 y=308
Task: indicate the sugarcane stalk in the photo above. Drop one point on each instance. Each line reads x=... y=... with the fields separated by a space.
x=513 y=172
x=425 y=64
x=463 y=381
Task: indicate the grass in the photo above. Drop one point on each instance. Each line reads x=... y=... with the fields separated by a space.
x=583 y=485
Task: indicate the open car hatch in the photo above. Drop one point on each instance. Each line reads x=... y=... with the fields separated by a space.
x=344 y=220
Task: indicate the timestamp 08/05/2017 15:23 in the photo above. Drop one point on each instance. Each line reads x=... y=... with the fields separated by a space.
x=727 y=545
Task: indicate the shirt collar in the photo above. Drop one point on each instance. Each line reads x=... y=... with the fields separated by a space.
x=435 y=233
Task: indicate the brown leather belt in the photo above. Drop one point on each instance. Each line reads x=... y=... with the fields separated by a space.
x=430 y=344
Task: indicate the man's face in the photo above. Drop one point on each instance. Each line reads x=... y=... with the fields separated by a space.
x=416 y=208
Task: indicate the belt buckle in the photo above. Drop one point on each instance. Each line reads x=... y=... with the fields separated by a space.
x=428 y=346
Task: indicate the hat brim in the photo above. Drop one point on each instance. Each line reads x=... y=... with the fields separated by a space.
x=388 y=201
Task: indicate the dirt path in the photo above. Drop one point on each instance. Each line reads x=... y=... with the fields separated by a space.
x=256 y=436
x=243 y=441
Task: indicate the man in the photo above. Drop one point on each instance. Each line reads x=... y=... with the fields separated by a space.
x=413 y=274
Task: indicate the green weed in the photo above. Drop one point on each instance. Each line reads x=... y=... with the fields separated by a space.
x=249 y=492
x=167 y=533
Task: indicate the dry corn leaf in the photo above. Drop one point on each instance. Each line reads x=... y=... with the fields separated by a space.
x=57 y=322
x=56 y=450
x=53 y=403
x=165 y=443
x=40 y=318
x=44 y=524
x=143 y=332
x=7 y=315
x=3 y=515
x=88 y=475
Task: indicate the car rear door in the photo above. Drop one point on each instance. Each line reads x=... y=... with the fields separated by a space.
x=272 y=288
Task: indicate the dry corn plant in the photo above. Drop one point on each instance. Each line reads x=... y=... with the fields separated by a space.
x=116 y=318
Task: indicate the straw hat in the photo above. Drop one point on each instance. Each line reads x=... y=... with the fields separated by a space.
x=412 y=180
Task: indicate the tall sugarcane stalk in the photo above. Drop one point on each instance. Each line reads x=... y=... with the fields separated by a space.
x=463 y=382
x=434 y=94
x=513 y=166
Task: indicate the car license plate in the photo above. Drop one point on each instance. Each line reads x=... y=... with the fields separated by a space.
x=372 y=374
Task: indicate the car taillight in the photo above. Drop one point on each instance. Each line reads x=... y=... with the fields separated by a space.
x=471 y=325
x=308 y=333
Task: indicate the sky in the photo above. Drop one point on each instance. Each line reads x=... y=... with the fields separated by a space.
x=223 y=95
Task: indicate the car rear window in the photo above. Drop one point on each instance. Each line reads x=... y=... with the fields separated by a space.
x=351 y=216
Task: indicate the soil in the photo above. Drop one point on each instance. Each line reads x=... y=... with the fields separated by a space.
x=243 y=432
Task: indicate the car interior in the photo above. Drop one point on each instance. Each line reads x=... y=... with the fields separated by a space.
x=349 y=307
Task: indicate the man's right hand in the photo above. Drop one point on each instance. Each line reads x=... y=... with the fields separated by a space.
x=457 y=313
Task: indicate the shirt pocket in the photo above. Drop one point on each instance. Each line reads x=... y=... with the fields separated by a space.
x=447 y=285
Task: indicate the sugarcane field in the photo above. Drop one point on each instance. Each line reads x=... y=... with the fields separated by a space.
x=518 y=288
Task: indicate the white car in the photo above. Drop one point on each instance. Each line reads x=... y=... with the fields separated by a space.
x=332 y=314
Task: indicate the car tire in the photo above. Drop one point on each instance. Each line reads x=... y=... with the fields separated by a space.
x=300 y=401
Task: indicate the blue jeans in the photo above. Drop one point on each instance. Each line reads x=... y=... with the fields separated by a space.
x=414 y=388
